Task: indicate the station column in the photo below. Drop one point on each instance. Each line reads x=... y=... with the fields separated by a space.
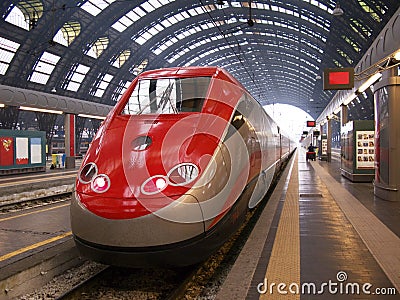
x=344 y=115
x=387 y=143
x=329 y=139
x=69 y=127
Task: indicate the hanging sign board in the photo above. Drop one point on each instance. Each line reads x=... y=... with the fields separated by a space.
x=311 y=124
x=338 y=78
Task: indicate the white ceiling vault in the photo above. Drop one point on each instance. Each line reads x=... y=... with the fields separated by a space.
x=93 y=49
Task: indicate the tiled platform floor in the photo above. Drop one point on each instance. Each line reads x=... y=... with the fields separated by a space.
x=342 y=245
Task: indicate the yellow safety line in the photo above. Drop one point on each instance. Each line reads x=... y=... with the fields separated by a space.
x=33 y=212
x=284 y=263
x=31 y=247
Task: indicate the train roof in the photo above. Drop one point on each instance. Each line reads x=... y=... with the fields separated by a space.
x=193 y=71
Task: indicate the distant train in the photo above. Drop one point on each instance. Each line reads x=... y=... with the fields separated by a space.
x=174 y=168
x=58 y=146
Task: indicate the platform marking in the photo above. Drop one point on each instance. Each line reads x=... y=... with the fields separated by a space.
x=34 y=246
x=37 y=180
x=239 y=279
x=18 y=178
x=34 y=212
x=284 y=263
x=379 y=239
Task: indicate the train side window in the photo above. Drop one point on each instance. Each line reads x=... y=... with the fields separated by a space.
x=237 y=120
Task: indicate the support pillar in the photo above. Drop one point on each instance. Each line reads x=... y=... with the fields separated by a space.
x=69 y=127
x=329 y=139
x=344 y=116
x=387 y=143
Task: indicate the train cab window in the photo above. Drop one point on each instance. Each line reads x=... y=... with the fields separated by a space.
x=167 y=96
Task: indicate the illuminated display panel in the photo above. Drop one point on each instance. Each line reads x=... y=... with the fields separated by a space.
x=310 y=123
x=339 y=79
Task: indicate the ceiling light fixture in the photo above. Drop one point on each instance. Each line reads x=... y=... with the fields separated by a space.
x=350 y=99
x=50 y=111
x=337 y=11
x=91 y=116
x=369 y=82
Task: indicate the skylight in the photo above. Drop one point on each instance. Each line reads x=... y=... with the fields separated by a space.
x=372 y=11
x=122 y=58
x=98 y=47
x=287 y=24
x=8 y=49
x=77 y=76
x=122 y=86
x=138 y=12
x=26 y=14
x=103 y=85
x=67 y=34
x=16 y=17
x=44 y=68
x=94 y=7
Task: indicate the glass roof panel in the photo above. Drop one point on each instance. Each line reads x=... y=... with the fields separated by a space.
x=77 y=75
x=122 y=58
x=94 y=7
x=17 y=18
x=98 y=47
x=44 y=68
x=371 y=10
x=103 y=85
x=8 y=49
x=283 y=24
x=147 y=7
x=66 y=35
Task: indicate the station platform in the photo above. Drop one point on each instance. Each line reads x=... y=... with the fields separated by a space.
x=14 y=188
x=320 y=237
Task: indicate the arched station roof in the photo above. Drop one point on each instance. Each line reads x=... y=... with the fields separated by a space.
x=91 y=50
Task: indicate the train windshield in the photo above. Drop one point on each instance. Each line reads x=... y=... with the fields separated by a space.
x=167 y=96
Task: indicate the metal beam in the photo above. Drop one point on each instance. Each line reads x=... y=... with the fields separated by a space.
x=13 y=96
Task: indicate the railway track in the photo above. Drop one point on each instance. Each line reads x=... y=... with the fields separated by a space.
x=121 y=283
x=36 y=202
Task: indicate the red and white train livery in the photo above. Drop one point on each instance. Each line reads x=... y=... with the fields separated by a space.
x=173 y=169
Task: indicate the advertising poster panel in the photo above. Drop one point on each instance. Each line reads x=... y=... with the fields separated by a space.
x=36 y=150
x=22 y=150
x=6 y=151
x=365 y=149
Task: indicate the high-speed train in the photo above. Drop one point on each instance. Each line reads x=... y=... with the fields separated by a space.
x=174 y=168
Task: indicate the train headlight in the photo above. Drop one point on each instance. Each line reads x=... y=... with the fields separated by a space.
x=88 y=172
x=101 y=183
x=154 y=185
x=183 y=174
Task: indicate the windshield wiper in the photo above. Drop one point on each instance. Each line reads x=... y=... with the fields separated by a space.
x=164 y=98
